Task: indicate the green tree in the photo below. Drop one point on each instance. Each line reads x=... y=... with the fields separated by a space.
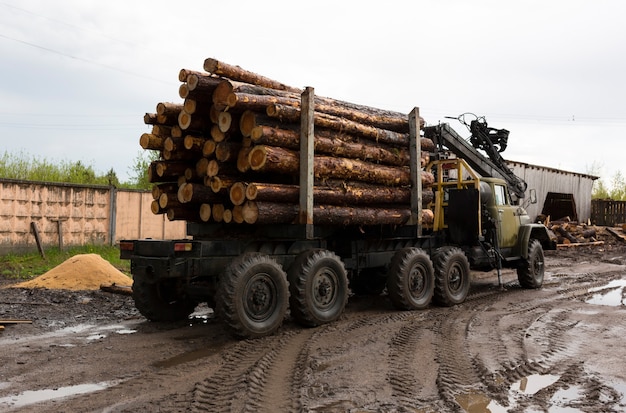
x=139 y=177
x=618 y=187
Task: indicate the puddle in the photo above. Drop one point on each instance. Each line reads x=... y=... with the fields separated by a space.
x=37 y=396
x=533 y=383
x=126 y=331
x=614 y=297
x=563 y=396
x=476 y=402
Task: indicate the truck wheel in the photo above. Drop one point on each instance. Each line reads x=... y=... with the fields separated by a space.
x=319 y=287
x=252 y=295
x=156 y=302
x=452 y=276
x=411 y=279
x=530 y=273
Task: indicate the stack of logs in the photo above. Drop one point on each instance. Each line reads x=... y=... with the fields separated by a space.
x=230 y=153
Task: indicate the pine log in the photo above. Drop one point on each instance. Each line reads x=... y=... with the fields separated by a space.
x=158 y=189
x=565 y=234
x=170 y=169
x=201 y=167
x=183 y=74
x=173 y=144
x=379 y=118
x=280 y=213
x=208 y=148
x=205 y=212
x=168 y=108
x=155 y=208
x=161 y=130
x=197 y=194
x=340 y=144
x=178 y=155
x=216 y=67
x=237 y=193
x=384 y=119
x=238 y=215
x=249 y=120
x=291 y=114
x=193 y=143
x=217 y=212
x=150 y=119
x=227 y=151
x=335 y=193
x=183 y=214
x=279 y=160
x=167 y=201
x=193 y=106
x=198 y=93
x=220 y=184
x=227 y=122
x=196 y=122
x=151 y=141
x=202 y=81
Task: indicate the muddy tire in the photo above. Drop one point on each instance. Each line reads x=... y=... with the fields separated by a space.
x=158 y=302
x=319 y=287
x=253 y=296
x=411 y=279
x=452 y=276
x=530 y=273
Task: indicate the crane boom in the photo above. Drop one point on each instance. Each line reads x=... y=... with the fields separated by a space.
x=492 y=166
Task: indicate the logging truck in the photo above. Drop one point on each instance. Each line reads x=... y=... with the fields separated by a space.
x=254 y=275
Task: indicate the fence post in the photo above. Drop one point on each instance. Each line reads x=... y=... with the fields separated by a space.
x=112 y=213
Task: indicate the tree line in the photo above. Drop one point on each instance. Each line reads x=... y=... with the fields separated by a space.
x=31 y=168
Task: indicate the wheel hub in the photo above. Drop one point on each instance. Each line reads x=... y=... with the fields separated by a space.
x=324 y=289
x=260 y=297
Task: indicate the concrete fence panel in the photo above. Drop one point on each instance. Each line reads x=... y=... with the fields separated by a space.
x=69 y=214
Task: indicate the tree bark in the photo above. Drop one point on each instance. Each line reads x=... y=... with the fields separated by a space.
x=227 y=151
x=335 y=193
x=237 y=73
x=168 y=108
x=340 y=144
x=281 y=213
x=197 y=194
x=151 y=141
x=291 y=114
x=279 y=160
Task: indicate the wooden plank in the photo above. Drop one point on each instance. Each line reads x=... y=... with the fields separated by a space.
x=307 y=151
x=616 y=234
x=580 y=244
x=415 y=169
x=12 y=321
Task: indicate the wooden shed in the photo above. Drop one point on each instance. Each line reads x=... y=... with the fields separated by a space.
x=559 y=193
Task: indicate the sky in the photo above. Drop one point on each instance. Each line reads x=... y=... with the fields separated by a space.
x=77 y=76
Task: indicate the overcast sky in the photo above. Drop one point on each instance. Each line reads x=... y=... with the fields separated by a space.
x=77 y=76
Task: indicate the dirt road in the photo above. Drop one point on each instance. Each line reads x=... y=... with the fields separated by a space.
x=557 y=349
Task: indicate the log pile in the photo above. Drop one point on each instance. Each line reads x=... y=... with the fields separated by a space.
x=571 y=234
x=229 y=152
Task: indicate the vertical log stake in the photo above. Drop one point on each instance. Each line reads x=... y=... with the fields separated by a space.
x=416 y=182
x=306 y=160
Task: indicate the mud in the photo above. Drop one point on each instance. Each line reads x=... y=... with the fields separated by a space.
x=556 y=349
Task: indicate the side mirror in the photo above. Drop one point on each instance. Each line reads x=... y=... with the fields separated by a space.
x=533 y=196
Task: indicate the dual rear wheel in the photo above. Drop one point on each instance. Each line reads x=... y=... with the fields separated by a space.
x=414 y=279
x=254 y=292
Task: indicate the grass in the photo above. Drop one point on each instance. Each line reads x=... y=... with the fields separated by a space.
x=31 y=265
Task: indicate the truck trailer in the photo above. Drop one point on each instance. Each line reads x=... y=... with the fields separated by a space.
x=254 y=275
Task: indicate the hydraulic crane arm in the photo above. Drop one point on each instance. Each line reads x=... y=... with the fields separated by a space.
x=483 y=138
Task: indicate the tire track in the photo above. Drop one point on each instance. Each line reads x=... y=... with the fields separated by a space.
x=260 y=375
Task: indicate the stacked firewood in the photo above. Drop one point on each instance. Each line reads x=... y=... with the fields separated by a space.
x=230 y=153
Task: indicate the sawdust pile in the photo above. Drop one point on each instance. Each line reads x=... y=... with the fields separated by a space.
x=81 y=272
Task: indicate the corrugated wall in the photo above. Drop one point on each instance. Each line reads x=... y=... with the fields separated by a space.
x=84 y=214
x=545 y=180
